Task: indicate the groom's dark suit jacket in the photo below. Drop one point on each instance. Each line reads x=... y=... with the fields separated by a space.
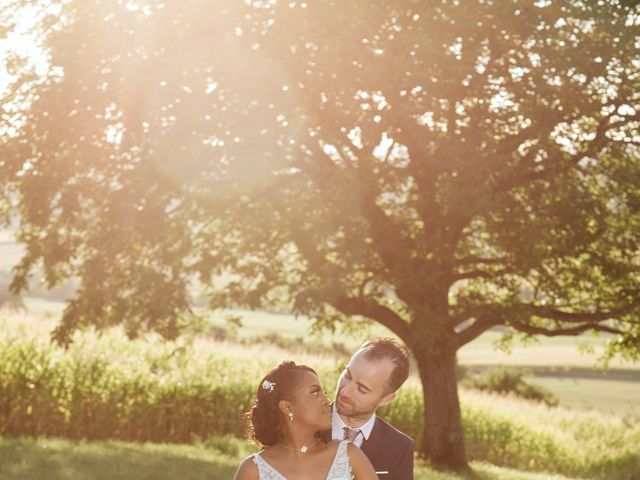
x=389 y=450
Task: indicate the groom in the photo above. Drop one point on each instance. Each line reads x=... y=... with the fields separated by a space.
x=370 y=380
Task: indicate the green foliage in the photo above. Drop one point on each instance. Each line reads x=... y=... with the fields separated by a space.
x=536 y=437
x=505 y=380
x=436 y=174
x=399 y=184
x=406 y=412
x=107 y=387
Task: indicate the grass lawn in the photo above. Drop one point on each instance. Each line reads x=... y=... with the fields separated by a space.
x=56 y=459
x=615 y=391
x=586 y=393
x=552 y=352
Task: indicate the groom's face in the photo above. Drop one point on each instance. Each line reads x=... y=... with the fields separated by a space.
x=362 y=387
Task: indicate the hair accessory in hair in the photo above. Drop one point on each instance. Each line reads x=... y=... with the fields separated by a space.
x=267 y=385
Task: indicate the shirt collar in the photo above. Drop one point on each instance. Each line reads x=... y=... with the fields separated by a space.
x=337 y=425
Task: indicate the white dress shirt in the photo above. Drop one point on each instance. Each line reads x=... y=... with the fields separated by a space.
x=337 y=428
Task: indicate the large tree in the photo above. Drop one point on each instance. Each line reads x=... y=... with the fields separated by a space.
x=439 y=167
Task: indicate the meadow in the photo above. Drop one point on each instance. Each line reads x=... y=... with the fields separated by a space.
x=195 y=389
x=561 y=364
x=60 y=459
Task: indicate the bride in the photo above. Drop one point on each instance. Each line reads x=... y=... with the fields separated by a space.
x=290 y=408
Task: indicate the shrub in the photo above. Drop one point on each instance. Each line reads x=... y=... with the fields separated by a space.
x=406 y=412
x=533 y=436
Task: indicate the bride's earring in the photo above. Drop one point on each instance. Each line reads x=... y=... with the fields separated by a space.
x=291 y=416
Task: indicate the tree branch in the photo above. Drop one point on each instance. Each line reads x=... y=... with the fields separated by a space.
x=479 y=273
x=626 y=121
x=477 y=328
x=377 y=312
x=479 y=261
x=533 y=330
x=592 y=149
x=388 y=241
x=424 y=167
x=386 y=233
x=579 y=317
x=486 y=318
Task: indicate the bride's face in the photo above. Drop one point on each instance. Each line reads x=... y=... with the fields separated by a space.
x=310 y=405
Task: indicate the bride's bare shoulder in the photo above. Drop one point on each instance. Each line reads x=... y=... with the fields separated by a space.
x=331 y=446
x=247 y=470
x=360 y=464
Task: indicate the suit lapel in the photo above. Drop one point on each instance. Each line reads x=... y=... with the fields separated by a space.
x=370 y=445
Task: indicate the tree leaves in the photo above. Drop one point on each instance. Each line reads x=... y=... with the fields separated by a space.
x=448 y=163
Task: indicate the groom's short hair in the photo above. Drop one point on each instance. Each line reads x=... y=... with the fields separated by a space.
x=398 y=354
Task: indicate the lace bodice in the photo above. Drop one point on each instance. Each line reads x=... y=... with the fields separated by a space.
x=340 y=468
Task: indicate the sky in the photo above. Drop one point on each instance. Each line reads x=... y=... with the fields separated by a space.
x=22 y=45
x=24 y=41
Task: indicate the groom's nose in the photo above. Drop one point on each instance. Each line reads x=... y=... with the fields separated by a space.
x=346 y=388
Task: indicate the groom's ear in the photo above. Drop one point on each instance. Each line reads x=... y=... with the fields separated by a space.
x=387 y=399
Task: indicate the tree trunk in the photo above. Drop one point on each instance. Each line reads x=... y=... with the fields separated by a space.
x=443 y=438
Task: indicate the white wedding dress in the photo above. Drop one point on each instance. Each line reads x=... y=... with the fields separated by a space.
x=340 y=468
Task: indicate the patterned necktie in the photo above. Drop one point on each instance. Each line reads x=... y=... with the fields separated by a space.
x=351 y=434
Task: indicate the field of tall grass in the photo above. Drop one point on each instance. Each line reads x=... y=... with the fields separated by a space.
x=195 y=388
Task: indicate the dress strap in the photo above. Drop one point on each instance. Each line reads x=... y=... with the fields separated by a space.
x=340 y=468
x=266 y=471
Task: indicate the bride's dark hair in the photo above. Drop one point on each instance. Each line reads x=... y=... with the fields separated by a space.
x=264 y=422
